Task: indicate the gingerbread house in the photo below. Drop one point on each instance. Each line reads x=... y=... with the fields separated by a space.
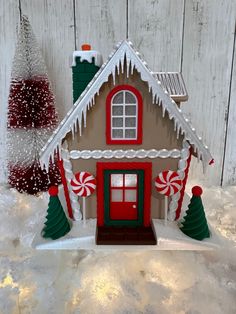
x=125 y=127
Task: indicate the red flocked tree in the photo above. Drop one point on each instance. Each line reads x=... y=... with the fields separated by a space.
x=31 y=116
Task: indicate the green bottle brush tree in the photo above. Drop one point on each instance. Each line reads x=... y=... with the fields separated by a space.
x=57 y=224
x=194 y=223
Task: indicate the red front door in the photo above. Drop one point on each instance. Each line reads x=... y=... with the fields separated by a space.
x=124 y=193
x=123 y=196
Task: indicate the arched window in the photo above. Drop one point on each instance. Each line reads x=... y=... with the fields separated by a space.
x=124 y=116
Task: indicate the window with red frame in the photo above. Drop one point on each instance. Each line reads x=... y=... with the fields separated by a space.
x=124 y=116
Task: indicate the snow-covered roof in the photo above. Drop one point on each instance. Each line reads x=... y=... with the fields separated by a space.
x=124 y=54
x=173 y=82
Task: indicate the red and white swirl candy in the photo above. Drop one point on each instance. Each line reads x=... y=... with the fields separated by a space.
x=83 y=184
x=168 y=183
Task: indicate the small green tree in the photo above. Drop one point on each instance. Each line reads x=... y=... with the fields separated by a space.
x=195 y=223
x=57 y=224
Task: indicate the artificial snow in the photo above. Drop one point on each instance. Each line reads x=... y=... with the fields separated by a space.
x=120 y=282
x=169 y=237
x=27 y=59
x=87 y=55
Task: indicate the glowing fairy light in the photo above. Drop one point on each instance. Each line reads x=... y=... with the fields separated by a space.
x=104 y=287
x=8 y=281
x=106 y=291
x=26 y=292
x=169 y=275
x=75 y=299
x=74 y=302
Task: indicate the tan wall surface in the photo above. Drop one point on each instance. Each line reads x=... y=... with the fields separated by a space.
x=158 y=133
x=158 y=165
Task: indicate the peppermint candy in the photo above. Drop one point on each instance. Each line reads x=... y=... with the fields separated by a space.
x=168 y=183
x=83 y=184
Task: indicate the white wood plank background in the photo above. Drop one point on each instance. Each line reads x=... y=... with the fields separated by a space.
x=53 y=25
x=229 y=169
x=207 y=54
x=101 y=23
x=155 y=28
x=195 y=36
x=9 y=17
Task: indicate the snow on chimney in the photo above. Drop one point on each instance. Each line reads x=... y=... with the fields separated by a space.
x=85 y=64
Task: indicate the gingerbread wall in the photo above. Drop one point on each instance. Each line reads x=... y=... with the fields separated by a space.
x=158 y=133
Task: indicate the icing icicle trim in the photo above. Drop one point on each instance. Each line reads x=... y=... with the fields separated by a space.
x=115 y=63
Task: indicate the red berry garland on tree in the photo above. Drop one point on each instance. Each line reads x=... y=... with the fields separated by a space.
x=31 y=116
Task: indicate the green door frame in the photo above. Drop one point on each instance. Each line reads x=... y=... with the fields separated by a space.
x=132 y=223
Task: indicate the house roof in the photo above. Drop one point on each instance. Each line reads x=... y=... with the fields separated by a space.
x=173 y=82
x=124 y=54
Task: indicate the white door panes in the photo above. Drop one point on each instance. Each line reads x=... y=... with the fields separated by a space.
x=130 y=98
x=116 y=195
x=118 y=98
x=130 y=122
x=130 y=110
x=130 y=133
x=130 y=195
x=131 y=180
x=116 y=180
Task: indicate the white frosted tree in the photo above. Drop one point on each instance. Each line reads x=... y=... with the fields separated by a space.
x=31 y=116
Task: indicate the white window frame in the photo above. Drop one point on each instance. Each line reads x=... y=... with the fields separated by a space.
x=124 y=116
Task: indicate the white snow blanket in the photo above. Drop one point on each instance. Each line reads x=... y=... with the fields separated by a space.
x=119 y=282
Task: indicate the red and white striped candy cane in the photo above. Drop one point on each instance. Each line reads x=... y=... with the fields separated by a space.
x=168 y=183
x=83 y=184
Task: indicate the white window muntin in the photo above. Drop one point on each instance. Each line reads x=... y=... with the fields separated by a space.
x=122 y=117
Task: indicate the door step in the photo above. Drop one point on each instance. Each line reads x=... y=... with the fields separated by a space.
x=126 y=236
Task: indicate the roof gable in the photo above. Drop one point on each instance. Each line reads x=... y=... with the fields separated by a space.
x=124 y=54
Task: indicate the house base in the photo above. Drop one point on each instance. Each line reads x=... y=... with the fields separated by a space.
x=169 y=237
x=126 y=236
